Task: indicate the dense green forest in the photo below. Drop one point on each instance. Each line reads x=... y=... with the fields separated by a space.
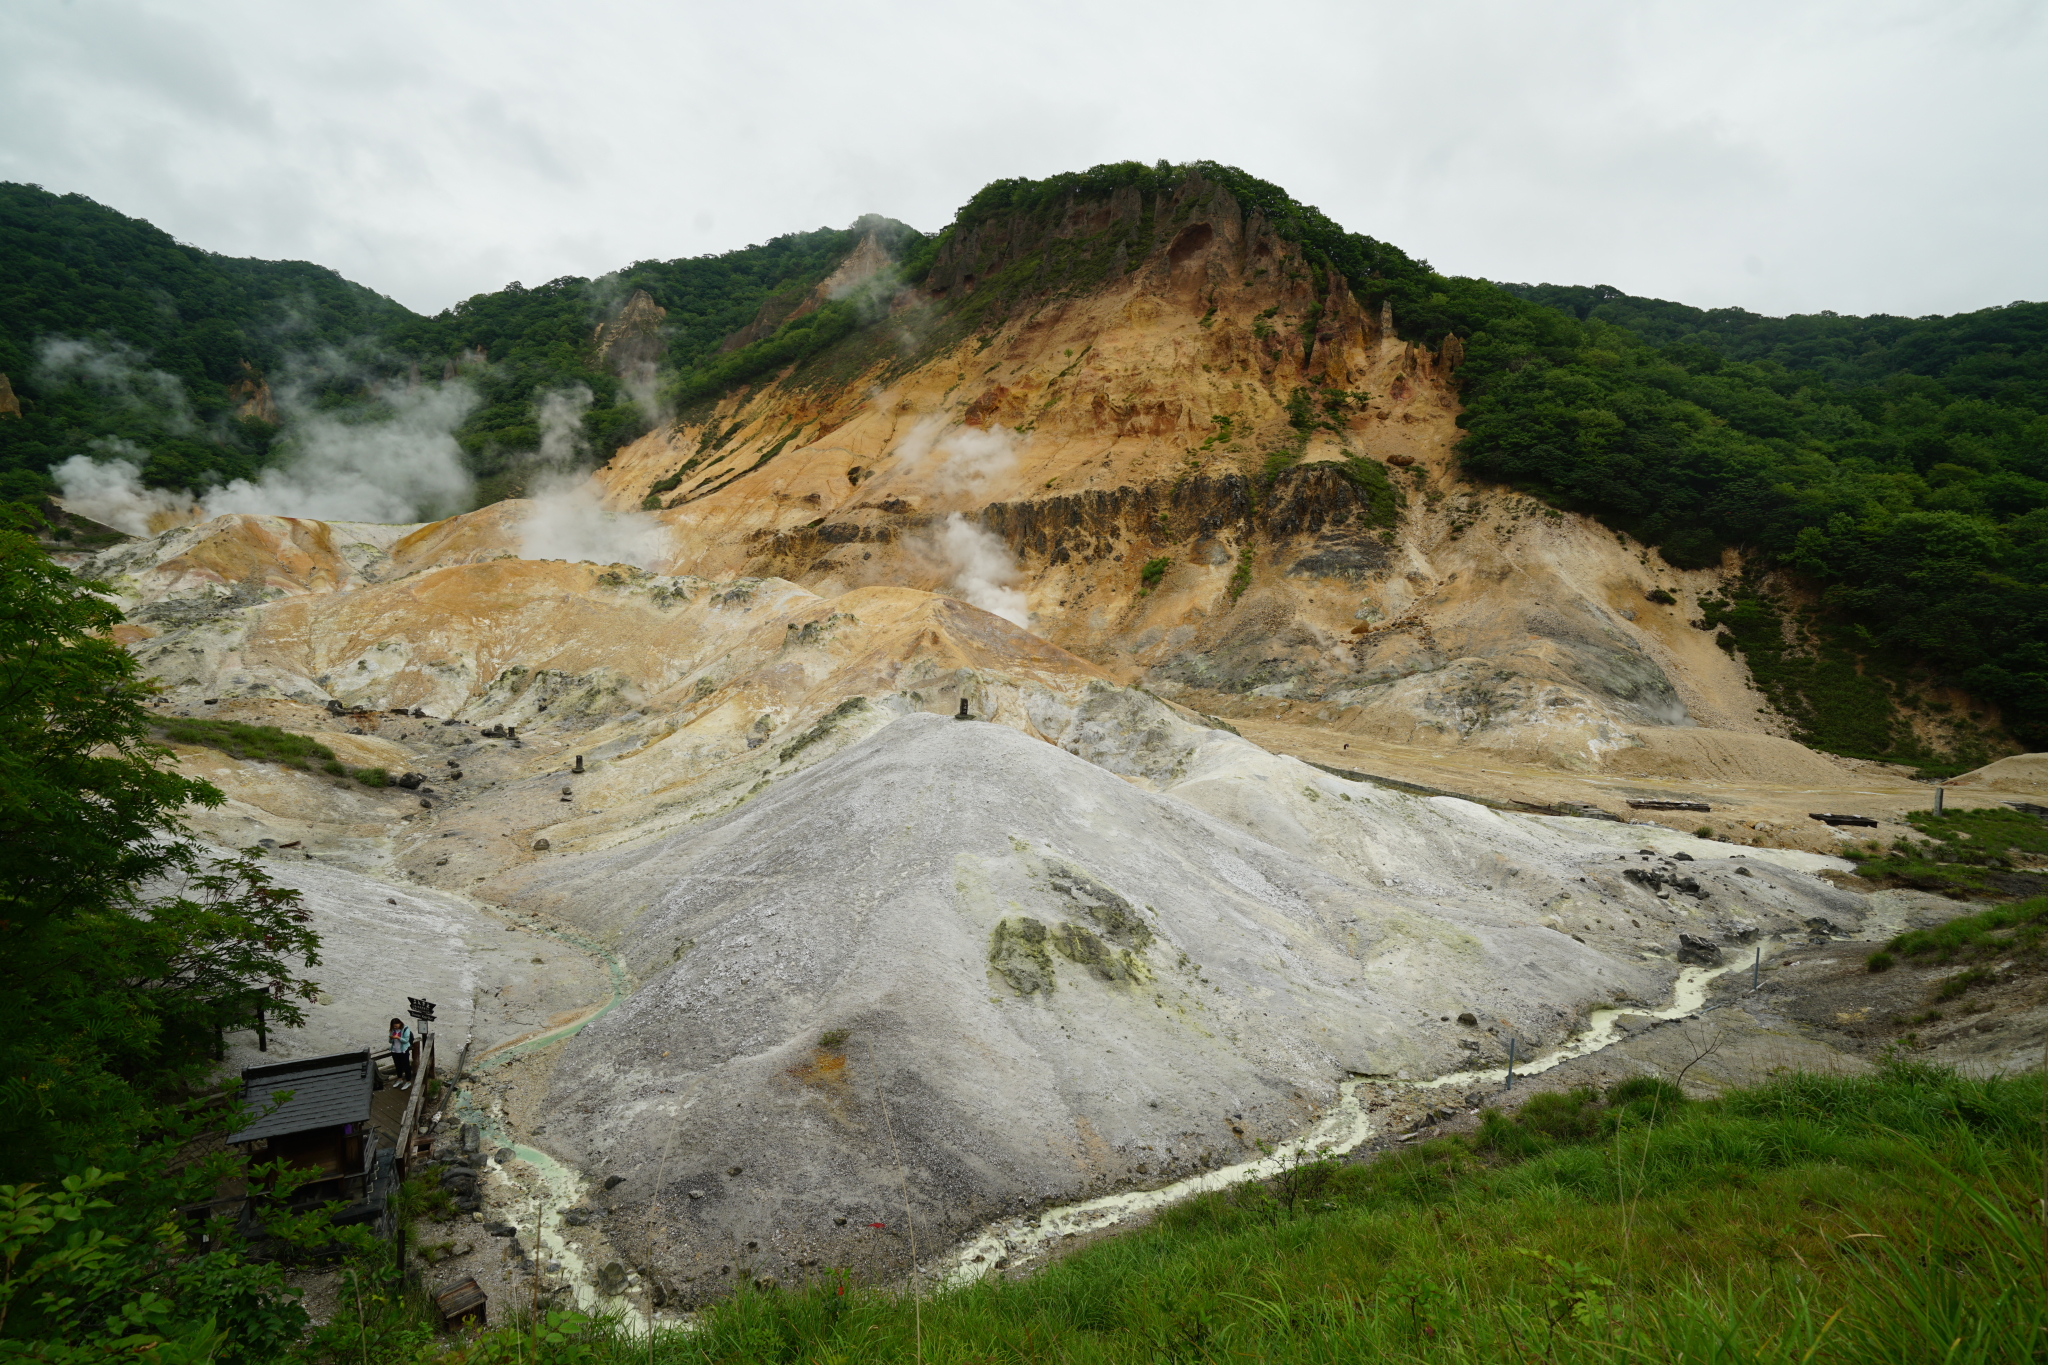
x=113 y=332
x=1896 y=468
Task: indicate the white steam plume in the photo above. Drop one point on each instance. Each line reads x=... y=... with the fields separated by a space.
x=109 y=490
x=567 y=518
x=117 y=369
x=405 y=468
x=960 y=462
x=983 y=571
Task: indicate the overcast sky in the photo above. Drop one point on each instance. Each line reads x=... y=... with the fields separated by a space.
x=1876 y=156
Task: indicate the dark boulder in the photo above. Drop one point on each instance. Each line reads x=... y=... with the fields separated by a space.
x=1699 y=952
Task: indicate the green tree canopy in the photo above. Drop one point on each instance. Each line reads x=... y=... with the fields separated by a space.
x=125 y=955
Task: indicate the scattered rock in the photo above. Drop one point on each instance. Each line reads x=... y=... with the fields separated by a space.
x=540 y=845
x=1698 y=952
x=611 y=1278
x=612 y=1182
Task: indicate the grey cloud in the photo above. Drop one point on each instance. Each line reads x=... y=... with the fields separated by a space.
x=1782 y=156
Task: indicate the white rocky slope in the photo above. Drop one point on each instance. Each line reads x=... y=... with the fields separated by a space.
x=956 y=960
x=1090 y=944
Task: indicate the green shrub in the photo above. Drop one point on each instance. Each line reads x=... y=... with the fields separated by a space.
x=1241 y=577
x=1958 y=985
x=1383 y=500
x=1653 y=1090
x=1153 y=571
x=422 y=1197
x=1879 y=962
x=251 y=743
x=2019 y=926
x=373 y=777
x=1562 y=1116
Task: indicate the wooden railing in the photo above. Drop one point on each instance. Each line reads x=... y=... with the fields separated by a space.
x=409 y=1125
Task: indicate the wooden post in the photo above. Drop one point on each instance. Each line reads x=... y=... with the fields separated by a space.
x=1511 y=1060
x=423 y=1068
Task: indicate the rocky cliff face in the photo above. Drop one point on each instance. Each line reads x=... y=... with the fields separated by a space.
x=630 y=343
x=1208 y=471
x=252 y=397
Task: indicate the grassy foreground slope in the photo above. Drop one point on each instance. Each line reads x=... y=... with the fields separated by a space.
x=1888 y=1218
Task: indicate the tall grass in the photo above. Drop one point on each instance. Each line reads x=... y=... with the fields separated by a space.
x=267 y=744
x=1885 y=1218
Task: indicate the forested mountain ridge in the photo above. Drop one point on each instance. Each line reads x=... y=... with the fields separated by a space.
x=111 y=330
x=119 y=340
x=1998 y=353
x=1895 y=469
x=1898 y=466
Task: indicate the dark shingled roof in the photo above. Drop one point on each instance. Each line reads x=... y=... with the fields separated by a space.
x=324 y=1091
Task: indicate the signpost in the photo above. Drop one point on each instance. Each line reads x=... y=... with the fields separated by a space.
x=422 y=1012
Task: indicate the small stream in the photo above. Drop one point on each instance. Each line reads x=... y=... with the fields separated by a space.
x=561 y=1188
x=1337 y=1133
x=1347 y=1125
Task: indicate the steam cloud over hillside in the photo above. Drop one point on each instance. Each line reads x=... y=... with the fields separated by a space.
x=567 y=520
x=404 y=467
x=960 y=463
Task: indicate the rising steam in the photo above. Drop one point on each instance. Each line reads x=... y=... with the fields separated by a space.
x=116 y=369
x=960 y=463
x=404 y=468
x=983 y=571
x=107 y=487
x=566 y=518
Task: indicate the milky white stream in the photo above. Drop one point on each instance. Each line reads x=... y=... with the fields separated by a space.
x=1340 y=1131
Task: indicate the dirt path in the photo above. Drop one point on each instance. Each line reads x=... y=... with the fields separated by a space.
x=1747 y=806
